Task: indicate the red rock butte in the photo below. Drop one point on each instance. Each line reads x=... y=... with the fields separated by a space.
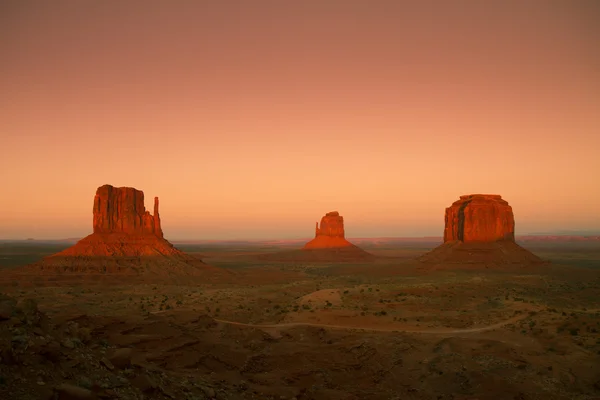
x=122 y=210
x=479 y=218
x=329 y=245
x=126 y=239
x=330 y=234
x=480 y=230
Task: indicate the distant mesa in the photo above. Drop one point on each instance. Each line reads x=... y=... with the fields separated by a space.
x=480 y=230
x=126 y=239
x=329 y=245
x=330 y=234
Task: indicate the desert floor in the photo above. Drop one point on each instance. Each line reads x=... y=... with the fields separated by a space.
x=385 y=329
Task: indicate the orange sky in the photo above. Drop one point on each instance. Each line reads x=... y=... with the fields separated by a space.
x=252 y=119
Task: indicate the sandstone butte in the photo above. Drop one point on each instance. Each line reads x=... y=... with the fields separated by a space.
x=480 y=229
x=330 y=234
x=329 y=245
x=479 y=218
x=122 y=210
x=126 y=238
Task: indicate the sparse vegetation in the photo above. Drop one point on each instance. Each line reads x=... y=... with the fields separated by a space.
x=561 y=315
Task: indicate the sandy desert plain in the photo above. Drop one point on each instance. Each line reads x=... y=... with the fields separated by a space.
x=265 y=320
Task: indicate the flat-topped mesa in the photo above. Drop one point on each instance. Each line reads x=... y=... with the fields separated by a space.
x=479 y=218
x=332 y=224
x=122 y=210
x=479 y=234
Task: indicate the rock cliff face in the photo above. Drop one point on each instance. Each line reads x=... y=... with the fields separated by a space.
x=479 y=233
x=126 y=239
x=479 y=218
x=329 y=245
x=332 y=224
x=330 y=234
x=122 y=210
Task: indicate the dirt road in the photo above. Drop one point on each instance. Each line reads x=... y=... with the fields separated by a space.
x=379 y=329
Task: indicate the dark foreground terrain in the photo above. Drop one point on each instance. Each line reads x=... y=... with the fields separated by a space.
x=379 y=329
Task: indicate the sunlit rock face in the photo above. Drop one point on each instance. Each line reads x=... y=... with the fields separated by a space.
x=330 y=233
x=122 y=210
x=126 y=238
x=479 y=218
x=479 y=233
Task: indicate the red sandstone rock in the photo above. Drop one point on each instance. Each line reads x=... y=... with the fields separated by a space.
x=332 y=224
x=478 y=255
x=479 y=233
x=329 y=245
x=122 y=210
x=330 y=234
x=127 y=239
x=479 y=218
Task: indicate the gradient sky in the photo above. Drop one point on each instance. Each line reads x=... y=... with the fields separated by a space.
x=252 y=119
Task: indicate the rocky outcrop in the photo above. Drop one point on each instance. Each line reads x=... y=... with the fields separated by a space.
x=480 y=255
x=332 y=224
x=122 y=210
x=73 y=357
x=329 y=244
x=479 y=233
x=126 y=239
x=330 y=234
x=479 y=218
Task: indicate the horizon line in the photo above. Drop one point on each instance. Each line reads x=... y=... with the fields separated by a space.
x=274 y=239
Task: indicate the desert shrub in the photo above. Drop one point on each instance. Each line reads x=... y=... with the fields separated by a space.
x=531 y=324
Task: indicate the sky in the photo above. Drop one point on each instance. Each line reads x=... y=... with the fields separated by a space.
x=252 y=119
